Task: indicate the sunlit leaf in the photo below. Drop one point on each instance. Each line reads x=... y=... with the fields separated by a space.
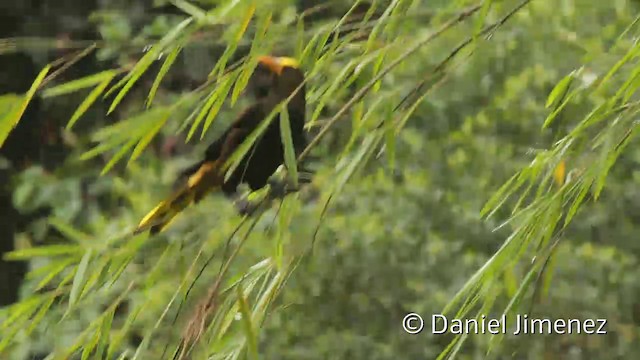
x=248 y=324
x=166 y=66
x=88 y=101
x=287 y=143
x=79 y=279
x=10 y=120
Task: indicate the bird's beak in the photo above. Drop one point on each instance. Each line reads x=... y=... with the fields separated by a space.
x=276 y=64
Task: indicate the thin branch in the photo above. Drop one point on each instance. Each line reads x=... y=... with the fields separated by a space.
x=362 y=92
x=460 y=47
x=67 y=64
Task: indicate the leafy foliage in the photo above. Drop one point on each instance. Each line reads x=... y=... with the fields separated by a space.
x=417 y=123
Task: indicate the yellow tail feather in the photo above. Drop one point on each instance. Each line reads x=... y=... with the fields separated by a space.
x=204 y=180
x=158 y=218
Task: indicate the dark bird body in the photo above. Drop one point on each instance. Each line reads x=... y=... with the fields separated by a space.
x=274 y=81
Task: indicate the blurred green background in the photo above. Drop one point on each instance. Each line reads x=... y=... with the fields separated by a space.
x=402 y=236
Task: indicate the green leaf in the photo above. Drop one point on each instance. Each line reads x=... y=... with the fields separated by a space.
x=625 y=59
x=234 y=160
x=379 y=27
x=360 y=158
x=166 y=65
x=191 y=10
x=215 y=108
x=221 y=64
x=248 y=328
x=22 y=309
x=559 y=90
x=146 y=139
x=9 y=104
x=88 y=347
x=79 y=84
x=243 y=80
x=116 y=342
x=331 y=91
x=78 y=279
x=43 y=251
x=87 y=102
x=69 y=231
x=549 y=120
x=9 y=121
x=143 y=64
x=390 y=138
x=287 y=143
x=55 y=270
x=118 y=156
x=44 y=310
x=548 y=273
x=205 y=110
x=479 y=23
x=105 y=331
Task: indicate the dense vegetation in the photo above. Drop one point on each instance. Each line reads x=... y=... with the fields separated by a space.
x=442 y=127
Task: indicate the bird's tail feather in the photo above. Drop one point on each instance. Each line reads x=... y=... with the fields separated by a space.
x=201 y=182
x=158 y=218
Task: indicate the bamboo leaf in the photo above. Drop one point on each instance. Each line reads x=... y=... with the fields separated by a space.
x=118 y=156
x=549 y=120
x=143 y=64
x=287 y=143
x=191 y=10
x=234 y=160
x=135 y=126
x=628 y=56
x=43 y=251
x=215 y=108
x=146 y=139
x=37 y=319
x=69 y=231
x=248 y=328
x=221 y=64
x=373 y=35
x=559 y=90
x=361 y=157
x=331 y=91
x=115 y=343
x=89 y=346
x=105 y=331
x=79 y=84
x=78 y=280
x=9 y=122
x=204 y=110
x=55 y=271
x=242 y=80
x=390 y=138
x=88 y=101
x=166 y=65
x=22 y=309
x=548 y=273
x=102 y=148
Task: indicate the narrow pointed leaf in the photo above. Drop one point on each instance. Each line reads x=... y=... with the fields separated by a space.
x=287 y=143
x=9 y=122
x=88 y=101
x=43 y=251
x=79 y=84
x=248 y=328
x=78 y=280
x=217 y=105
x=166 y=65
x=560 y=89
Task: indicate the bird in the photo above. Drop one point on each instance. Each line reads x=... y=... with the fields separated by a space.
x=275 y=79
